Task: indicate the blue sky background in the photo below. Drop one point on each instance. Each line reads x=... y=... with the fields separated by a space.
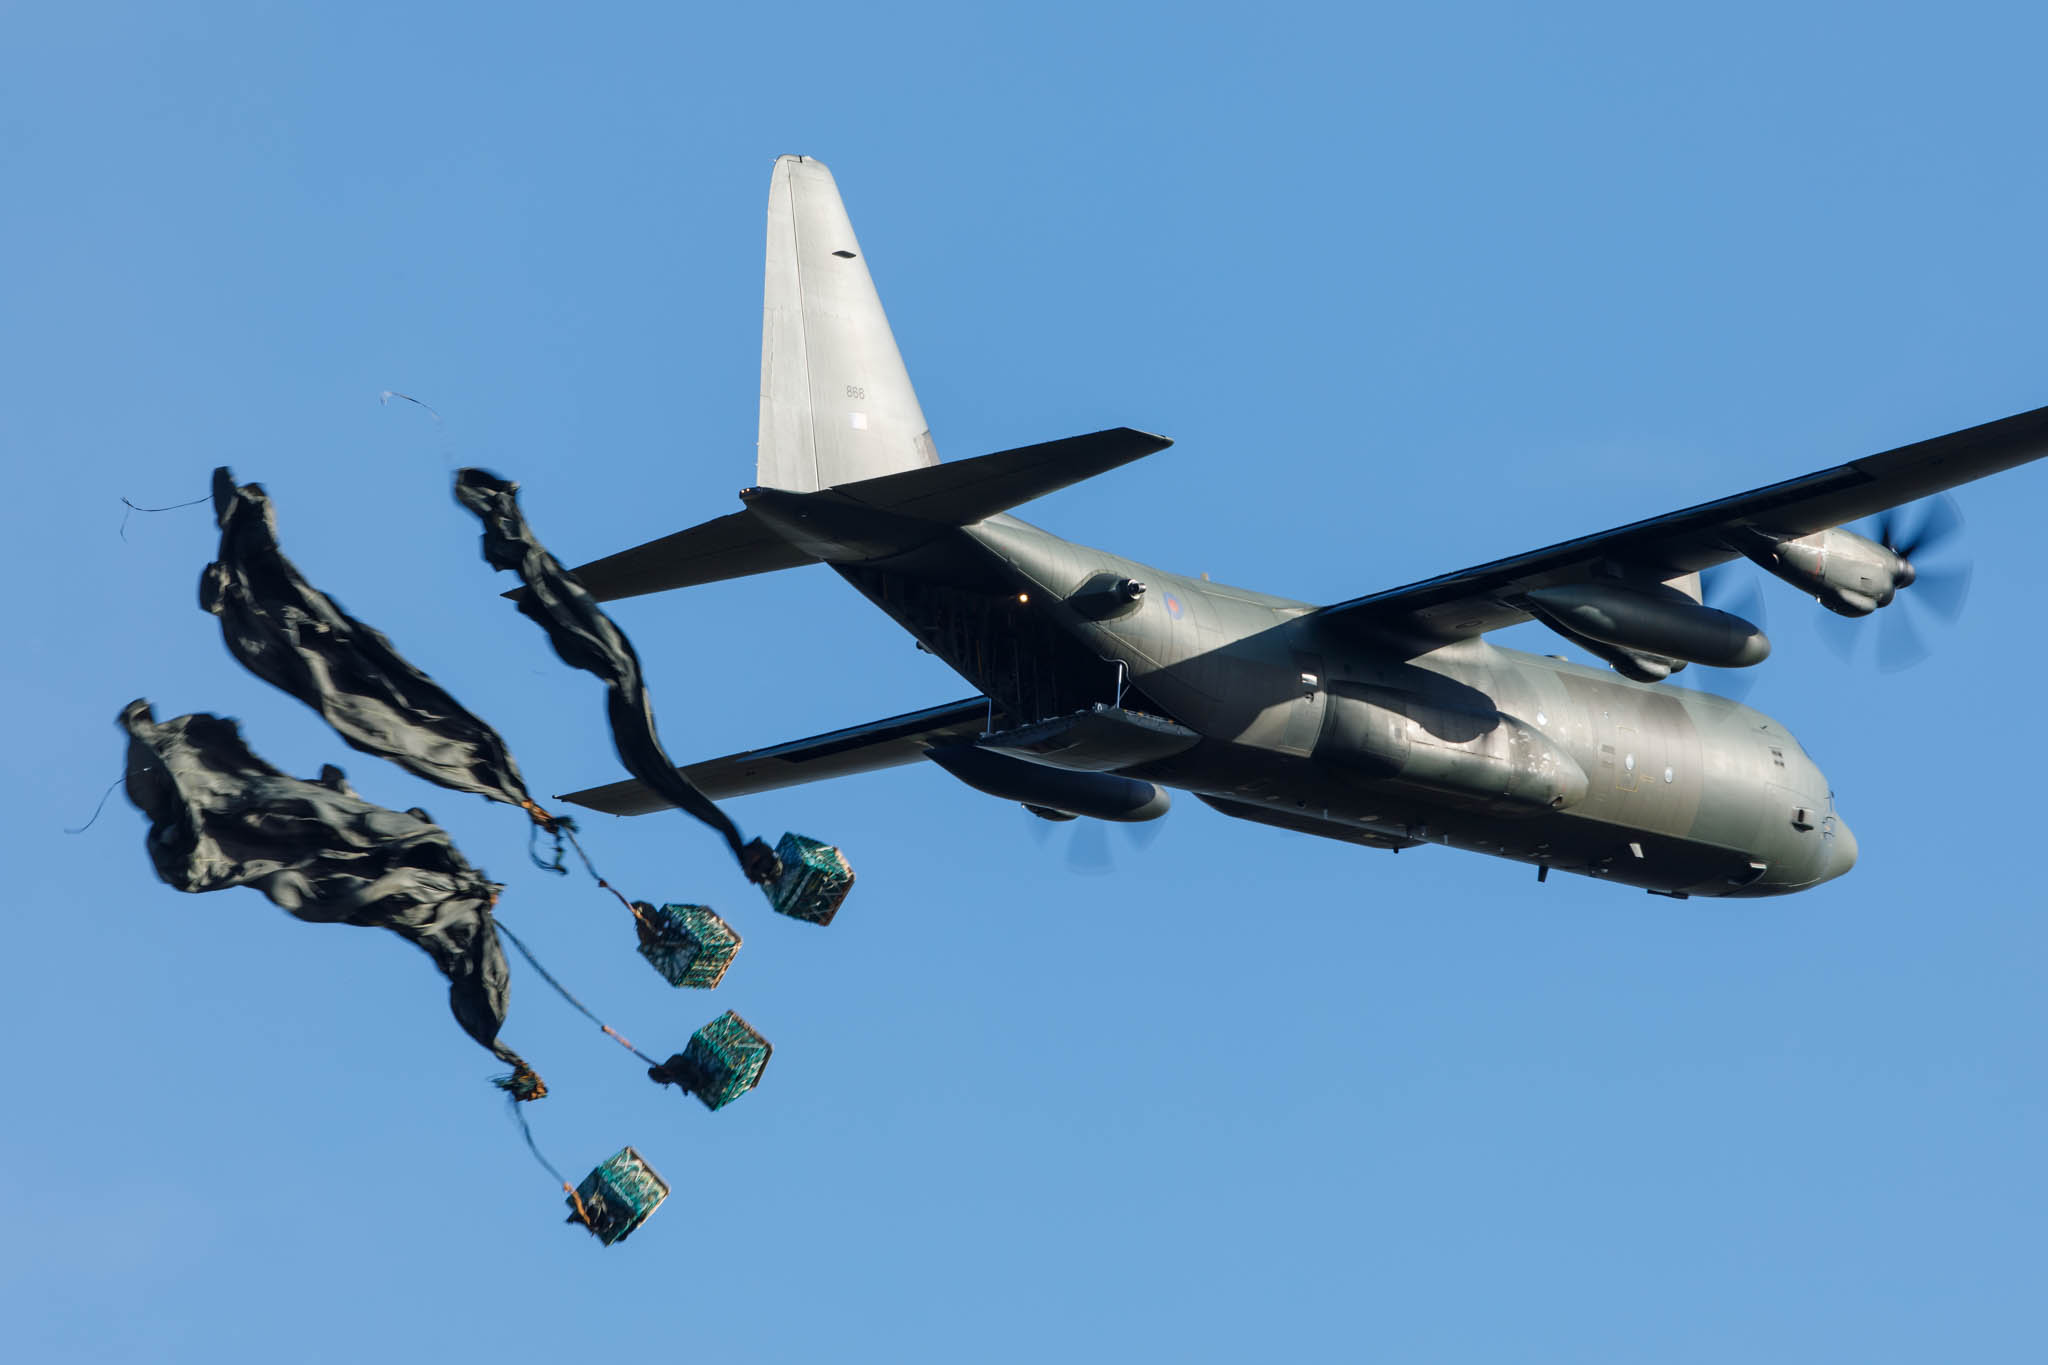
x=1412 y=287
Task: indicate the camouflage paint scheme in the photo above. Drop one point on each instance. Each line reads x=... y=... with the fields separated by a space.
x=1388 y=721
x=1467 y=744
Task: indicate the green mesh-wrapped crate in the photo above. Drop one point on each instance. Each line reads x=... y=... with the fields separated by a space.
x=617 y=1197
x=687 y=944
x=724 y=1061
x=814 y=880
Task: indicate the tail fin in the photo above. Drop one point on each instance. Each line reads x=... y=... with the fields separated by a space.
x=836 y=402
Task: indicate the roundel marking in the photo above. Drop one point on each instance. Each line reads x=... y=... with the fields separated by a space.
x=1173 y=607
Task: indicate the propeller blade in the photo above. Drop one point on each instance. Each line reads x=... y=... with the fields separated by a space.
x=1089 y=852
x=1725 y=587
x=1898 y=643
x=1944 y=591
x=1940 y=524
x=1144 y=834
x=1088 y=848
x=1839 y=633
x=1733 y=683
x=1888 y=523
x=1746 y=601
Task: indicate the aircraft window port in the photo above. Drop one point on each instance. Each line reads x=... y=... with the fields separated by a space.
x=1802 y=819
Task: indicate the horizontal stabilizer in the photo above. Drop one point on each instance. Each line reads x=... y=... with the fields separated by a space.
x=918 y=501
x=858 y=749
x=731 y=547
x=966 y=491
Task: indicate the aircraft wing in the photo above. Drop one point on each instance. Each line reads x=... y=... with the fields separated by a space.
x=1473 y=601
x=856 y=749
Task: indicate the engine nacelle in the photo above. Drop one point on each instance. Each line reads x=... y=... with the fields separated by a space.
x=1651 y=620
x=1850 y=575
x=1104 y=796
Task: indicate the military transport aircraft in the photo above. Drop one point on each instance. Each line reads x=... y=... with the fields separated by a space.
x=1387 y=721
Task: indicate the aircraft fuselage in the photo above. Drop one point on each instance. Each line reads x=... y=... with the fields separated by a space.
x=1358 y=737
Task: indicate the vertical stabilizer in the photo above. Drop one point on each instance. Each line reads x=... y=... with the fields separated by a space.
x=836 y=402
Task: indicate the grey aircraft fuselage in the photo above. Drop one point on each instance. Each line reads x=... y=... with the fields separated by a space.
x=1387 y=720
x=1466 y=744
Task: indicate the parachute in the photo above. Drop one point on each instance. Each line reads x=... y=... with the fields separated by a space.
x=295 y=637
x=584 y=637
x=220 y=816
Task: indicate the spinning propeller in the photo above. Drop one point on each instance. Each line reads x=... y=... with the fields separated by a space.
x=1089 y=851
x=1726 y=588
x=1941 y=589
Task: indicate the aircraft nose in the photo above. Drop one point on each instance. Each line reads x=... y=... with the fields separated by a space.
x=1843 y=854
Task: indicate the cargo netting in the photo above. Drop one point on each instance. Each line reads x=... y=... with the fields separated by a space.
x=724 y=1061
x=617 y=1197
x=688 y=944
x=815 y=879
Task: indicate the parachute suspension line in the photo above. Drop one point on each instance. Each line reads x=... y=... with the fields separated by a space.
x=103 y=798
x=172 y=508
x=563 y=991
x=566 y=829
x=440 y=427
x=582 y=1214
x=533 y=840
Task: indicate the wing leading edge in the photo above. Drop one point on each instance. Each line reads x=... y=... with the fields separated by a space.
x=1473 y=601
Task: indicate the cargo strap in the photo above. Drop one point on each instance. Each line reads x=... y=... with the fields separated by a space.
x=582 y=1214
x=564 y=831
x=563 y=991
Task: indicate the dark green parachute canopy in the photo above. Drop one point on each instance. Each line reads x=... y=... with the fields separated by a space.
x=586 y=638
x=220 y=816
x=292 y=635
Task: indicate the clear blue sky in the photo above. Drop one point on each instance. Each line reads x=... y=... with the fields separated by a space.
x=1412 y=287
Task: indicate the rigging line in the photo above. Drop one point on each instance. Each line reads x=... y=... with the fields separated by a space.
x=531 y=1146
x=582 y=1214
x=447 y=445
x=533 y=834
x=565 y=830
x=103 y=799
x=563 y=991
x=172 y=508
